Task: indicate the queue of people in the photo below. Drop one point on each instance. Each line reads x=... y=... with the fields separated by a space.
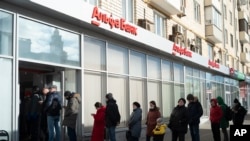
x=44 y=118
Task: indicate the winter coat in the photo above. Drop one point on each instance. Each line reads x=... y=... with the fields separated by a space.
x=179 y=119
x=152 y=116
x=134 y=123
x=71 y=111
x=224 y=123
x=215 y=113
x=98 y=132
x=238 y=114
x=195 y=112
x=112 y=115
x=160 y=129
x=50 y=97
x=35 y=107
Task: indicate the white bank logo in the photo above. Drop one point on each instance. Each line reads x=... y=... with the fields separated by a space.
x=240 y=132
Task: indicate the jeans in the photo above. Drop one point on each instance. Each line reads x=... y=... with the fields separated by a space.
x=53 y=123
x=111 y=133
x=216 y=131
x=194 y=131
x=71 y=134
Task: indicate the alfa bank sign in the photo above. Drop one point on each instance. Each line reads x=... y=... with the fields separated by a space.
x=181 y=51
x=98 y=17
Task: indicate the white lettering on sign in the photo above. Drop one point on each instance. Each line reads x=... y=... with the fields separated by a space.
x=239 y=132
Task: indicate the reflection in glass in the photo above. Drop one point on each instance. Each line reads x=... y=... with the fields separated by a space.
x=137 y=64
x=6 y=33
x=178 y=73
x=178 y=92
x=46 y=43
x=166 y=70
x=167 y=99
x=154 y=67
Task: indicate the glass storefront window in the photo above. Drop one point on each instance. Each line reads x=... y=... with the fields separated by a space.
x=6 y=95
x=120 y=63
x=154 y=68
x=189 y=85
x=154 y=92
x=137 y=64
x=6 y=33
x=168 y=102
x=167 y=70
x=46 y=43
x=94 y=54
x=178 y=73
x=189 y=71
x=196 y=73
x=178 y=92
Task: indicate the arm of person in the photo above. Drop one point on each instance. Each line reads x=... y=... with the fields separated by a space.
x=159 y=130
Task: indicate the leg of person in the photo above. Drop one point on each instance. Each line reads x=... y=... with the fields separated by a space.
x=50 y=122
x=196 y=132
x=181 y=136
x=148 y=138
x=192 y=132
x=71 y=134
x=111 y=131
x=224 y=130
x=174 y=136
x=57 y=128
x=216 y=131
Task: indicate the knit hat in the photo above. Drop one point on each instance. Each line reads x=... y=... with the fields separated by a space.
x=184 y=101
x=109 y=96
x=67 y=93
x=190 y=97
x=137 y=104
x=236 y=100
x=159 y=120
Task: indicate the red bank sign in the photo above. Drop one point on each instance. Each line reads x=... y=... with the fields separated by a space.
x=181 y=51
x=98 y=17
x=213 y=64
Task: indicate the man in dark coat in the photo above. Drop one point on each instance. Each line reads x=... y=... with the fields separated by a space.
x=195 y=112
x=239 y=113
x=112 y=116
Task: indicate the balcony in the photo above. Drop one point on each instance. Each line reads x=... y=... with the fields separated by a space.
x=169 y=7
x=244 y=37
x=245 y=57
x=213 y=3
x=213 y=33
x=242 y=14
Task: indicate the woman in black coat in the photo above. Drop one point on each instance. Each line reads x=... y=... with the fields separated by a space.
x=178 y=122
x=134 y=123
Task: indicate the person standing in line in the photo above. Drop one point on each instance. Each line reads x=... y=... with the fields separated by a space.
x=134 y=123
x=160 y=130
x=239 y=113
x=224 y=123
x=152 y=116
x=98 y=132
x=195 y=112
x=215 y=117
x=71 y=113
x=178 y=122
x=44 y=127
x=112 y=116
x=53 y=108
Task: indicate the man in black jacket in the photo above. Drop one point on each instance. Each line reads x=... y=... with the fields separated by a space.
x=195 y=112
x=112 y=116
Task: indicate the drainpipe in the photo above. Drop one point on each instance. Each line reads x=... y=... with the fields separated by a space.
x=223 y=33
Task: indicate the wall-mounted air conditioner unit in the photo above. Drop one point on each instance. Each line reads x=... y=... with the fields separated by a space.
x=177 y=29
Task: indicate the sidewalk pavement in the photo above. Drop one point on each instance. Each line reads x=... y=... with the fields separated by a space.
x=205 y=130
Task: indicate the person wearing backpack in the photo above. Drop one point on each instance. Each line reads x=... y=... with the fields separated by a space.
x=224 y=123
x=239 y=113
x=53 y=108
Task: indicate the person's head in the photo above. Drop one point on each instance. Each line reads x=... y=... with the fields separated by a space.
x=109 y=96
x=68 y=94
x=220 y=100
x=53 y=88
x=98 y=105
x=213 y=102
x=45 y=91
x=35 y=89
x=136 y=105
x=159 y=121
x=152 y=104
x=236 y=101
x=181 y=102
x=190 y=98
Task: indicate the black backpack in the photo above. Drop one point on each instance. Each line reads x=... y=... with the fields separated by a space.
x=228 y=113
x=55 y=107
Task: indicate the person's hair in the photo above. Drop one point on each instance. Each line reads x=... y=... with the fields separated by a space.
x=159 y=120
x=137 y=104
x=98 y=104
x=182 y=99
x=153 y=102
x=190 y=97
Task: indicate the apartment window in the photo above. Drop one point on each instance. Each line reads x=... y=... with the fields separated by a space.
x=210 y=52
x=198 y=45
x=159 y=24
x=243 y=25
x=232 y=40
x=226 y=36
x=225 y=11
x=217 y=18
x=197 y=12
x=236 y=47
x=231 y=17
x=93 y=2
x=127 y=10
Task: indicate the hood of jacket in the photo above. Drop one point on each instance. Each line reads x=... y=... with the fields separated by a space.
x=215 y=101
x=220 y=100
x=78 y=97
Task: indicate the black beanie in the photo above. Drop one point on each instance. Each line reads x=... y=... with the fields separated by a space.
x=182 y=100
x=190 y=97
x=109 y=96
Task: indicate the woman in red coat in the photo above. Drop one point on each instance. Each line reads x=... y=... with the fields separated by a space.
x=98 y=131
x=215 y=117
